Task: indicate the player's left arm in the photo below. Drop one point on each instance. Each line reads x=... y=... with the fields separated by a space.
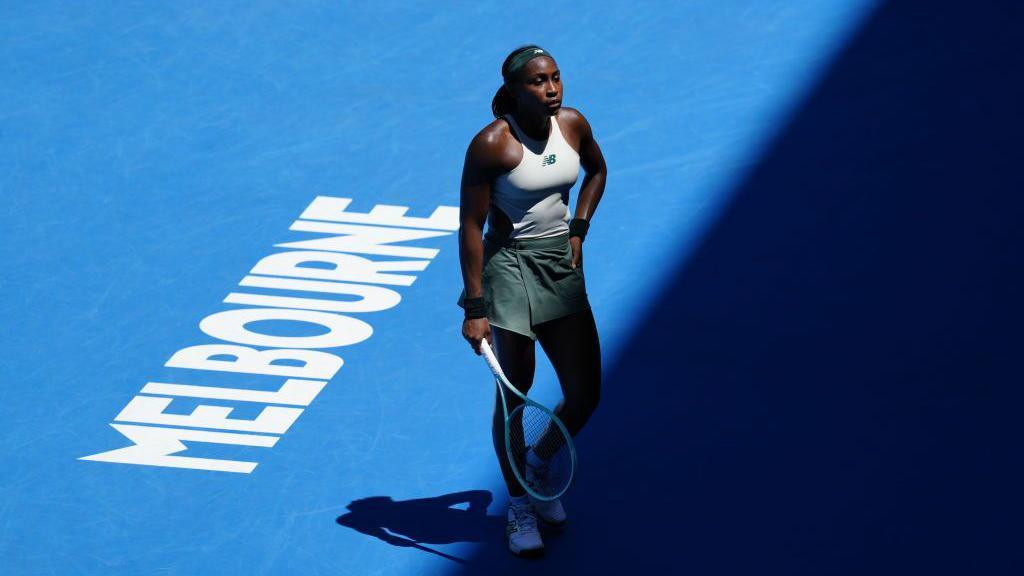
x=592 y=161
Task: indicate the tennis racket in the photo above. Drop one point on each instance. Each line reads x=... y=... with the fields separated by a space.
x=531 y=427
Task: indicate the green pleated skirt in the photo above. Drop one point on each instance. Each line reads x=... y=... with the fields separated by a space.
x=529 y=281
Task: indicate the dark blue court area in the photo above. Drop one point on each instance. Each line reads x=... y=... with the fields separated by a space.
x=807 y=271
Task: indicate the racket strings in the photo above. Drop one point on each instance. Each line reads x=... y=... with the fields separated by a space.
x=532 y=429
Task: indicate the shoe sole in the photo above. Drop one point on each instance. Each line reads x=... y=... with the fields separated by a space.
x=528 y=553
x=557 y=526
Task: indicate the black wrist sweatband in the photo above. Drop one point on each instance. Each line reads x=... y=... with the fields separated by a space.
x=475 y=307
x=579 y=227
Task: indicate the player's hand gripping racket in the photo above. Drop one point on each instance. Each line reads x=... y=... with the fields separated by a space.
x=537 y=443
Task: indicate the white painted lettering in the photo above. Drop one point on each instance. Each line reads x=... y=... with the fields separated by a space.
x=363 y=239
x=372 y=298
x=230 y=325
x=327 y=265
x=150 y=410
x=153 y=447
x=294 y=392
x=333 y=209
x=245 y=360
x=291 y=302
x=345 y=267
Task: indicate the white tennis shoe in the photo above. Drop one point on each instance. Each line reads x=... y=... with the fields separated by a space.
x=521 y=530
x=550 y=511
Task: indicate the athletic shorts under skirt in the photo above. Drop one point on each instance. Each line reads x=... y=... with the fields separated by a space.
x=529 y=281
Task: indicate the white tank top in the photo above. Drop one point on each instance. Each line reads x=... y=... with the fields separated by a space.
x=535 y=194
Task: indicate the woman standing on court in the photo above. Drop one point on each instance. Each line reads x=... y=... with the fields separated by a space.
x=524 y=280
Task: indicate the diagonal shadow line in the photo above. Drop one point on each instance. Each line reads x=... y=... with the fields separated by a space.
x=838 y=391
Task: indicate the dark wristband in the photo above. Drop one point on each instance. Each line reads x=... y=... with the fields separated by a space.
x=475 y=307
x=579 y=227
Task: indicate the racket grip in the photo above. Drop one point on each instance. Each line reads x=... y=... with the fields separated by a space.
x=492 y=362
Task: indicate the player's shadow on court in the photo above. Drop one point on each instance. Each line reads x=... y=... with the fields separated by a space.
x=420 y=522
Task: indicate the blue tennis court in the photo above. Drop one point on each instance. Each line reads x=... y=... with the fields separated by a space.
x=806 y=271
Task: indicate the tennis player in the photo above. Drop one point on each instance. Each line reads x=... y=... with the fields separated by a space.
x=524 y=280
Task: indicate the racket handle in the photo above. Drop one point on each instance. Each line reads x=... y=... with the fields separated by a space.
x=492 y=362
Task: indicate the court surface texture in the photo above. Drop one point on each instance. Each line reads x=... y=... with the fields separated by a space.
x=806 y=271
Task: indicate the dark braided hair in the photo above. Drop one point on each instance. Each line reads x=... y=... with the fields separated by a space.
x=503 y=103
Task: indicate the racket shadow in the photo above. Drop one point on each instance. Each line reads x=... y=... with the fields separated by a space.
x=420 y=522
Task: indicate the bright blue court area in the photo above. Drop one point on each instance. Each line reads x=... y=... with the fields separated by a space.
x=805 y=270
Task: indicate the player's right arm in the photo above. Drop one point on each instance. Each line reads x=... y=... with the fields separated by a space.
x=484 y=161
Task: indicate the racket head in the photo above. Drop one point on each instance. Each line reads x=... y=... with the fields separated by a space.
x=531 y=426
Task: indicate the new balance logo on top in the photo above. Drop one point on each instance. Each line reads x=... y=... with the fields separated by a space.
x=549 y=159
